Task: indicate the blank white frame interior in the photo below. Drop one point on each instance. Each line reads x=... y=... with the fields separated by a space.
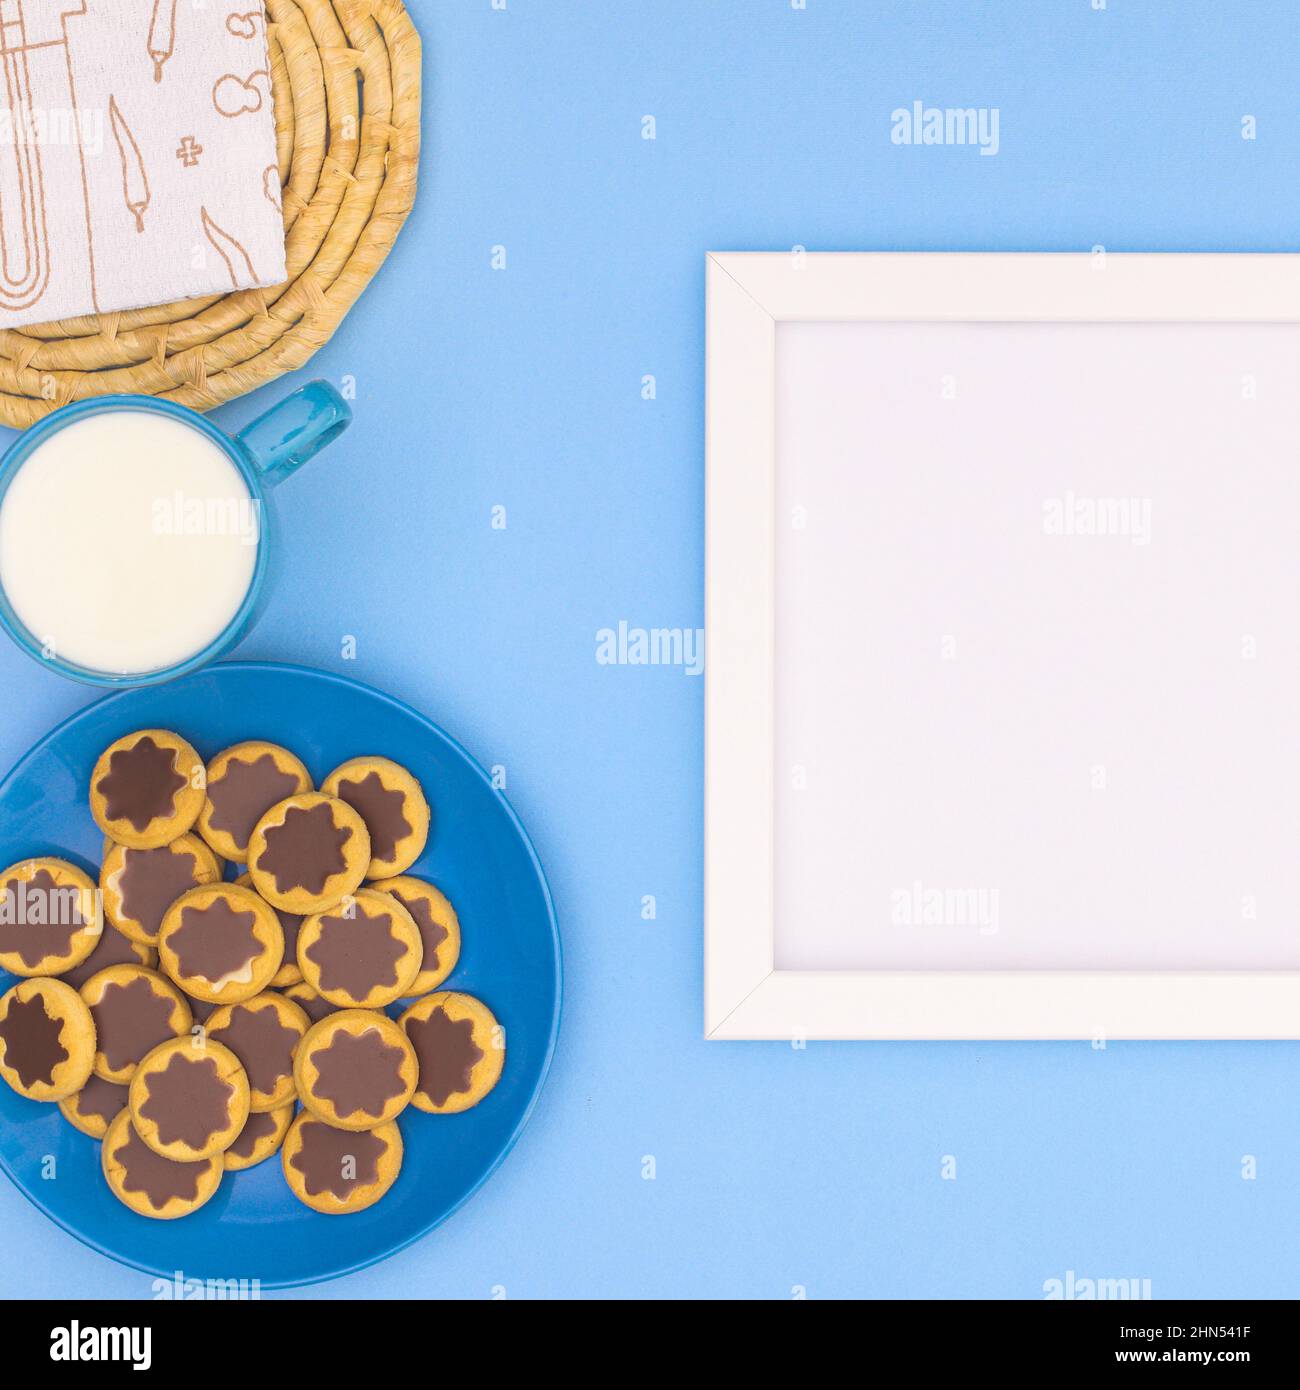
x=1018 y=475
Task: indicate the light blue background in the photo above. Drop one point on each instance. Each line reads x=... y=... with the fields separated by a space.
x=522 y=388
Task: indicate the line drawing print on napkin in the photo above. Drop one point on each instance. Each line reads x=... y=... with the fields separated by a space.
x=244 y=26
x=34 y=50
x=135 y=178
x=100 y=210
x=227 y=248
x=233 y=95
x=161 y=43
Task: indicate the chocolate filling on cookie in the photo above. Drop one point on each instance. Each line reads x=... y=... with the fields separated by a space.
x=261 y=1042
x=215 y=942
x=327 y=1154
x=245 y=792
x=259 y=1126
x=39 y=918
x=358 y=1073
x=130 y=1021
x=382 y=810
x=112 y=948
x=188 y=1101
x=307 y=850
x=156 y=1178
x=102 y=1098
x=447 y=1053
x=432 y=933
x=31 y=1039
x=141 y=784
x=151 y=880
x=356 y=954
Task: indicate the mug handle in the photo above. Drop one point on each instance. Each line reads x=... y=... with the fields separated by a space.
x=283 y=438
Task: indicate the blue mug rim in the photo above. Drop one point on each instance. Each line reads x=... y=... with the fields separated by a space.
x=31 y=438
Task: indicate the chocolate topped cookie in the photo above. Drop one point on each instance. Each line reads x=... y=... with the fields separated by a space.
x=112 y=949
x=134 y=1010
x=309 y=853
x=264 y=1033
x=244 y=782
x=336 y=1170
x=460 y=1047
x=147 y=788
x=150 y=1184
x=93 y=1108
x=47 y=1039
x=189 y=1099
x=290 y=922
x=362 y=955
x=393 y=806
x=355 y=1069
x=50 y=919
x=261 y=1136
x=221 y=943
x=439 y=928
x=139 y=885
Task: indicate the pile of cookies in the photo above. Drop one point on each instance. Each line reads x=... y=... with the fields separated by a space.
x=182 y=1011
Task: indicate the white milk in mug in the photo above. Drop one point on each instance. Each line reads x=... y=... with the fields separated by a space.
x=128 y=542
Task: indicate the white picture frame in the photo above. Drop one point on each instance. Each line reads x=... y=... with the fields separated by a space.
x=748 y=296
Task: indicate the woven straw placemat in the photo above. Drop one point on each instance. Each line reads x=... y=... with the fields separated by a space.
x=345 y=75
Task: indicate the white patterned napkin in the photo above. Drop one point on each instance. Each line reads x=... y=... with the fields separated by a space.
x=137 y=155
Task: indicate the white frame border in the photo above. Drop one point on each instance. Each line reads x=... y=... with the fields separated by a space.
x=748 y=293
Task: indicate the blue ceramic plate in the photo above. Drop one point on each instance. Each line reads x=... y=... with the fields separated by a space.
x=478 y=854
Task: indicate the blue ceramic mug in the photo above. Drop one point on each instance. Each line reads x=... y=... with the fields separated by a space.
x=265 y=452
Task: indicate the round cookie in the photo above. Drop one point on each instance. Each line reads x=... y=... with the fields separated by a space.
x=310 y=1002
x=336 y=1171
x=150 y=1184
x=309 y=853
x=221 y=943
x=460 y=1047
x=439 y=928
x=139 y=885
x=260 y=1137
x=362 y=955
x=288 y=973
x=47 y=1039
x=189 y=1099
x=393 y=806
x=355 y=1069
x=244 y=782
x=147 y=788
x=93 y=1108
x=134 y=1010
x=109 y=843
x=112 y=949
x=264 y=1033
x=50 y=917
